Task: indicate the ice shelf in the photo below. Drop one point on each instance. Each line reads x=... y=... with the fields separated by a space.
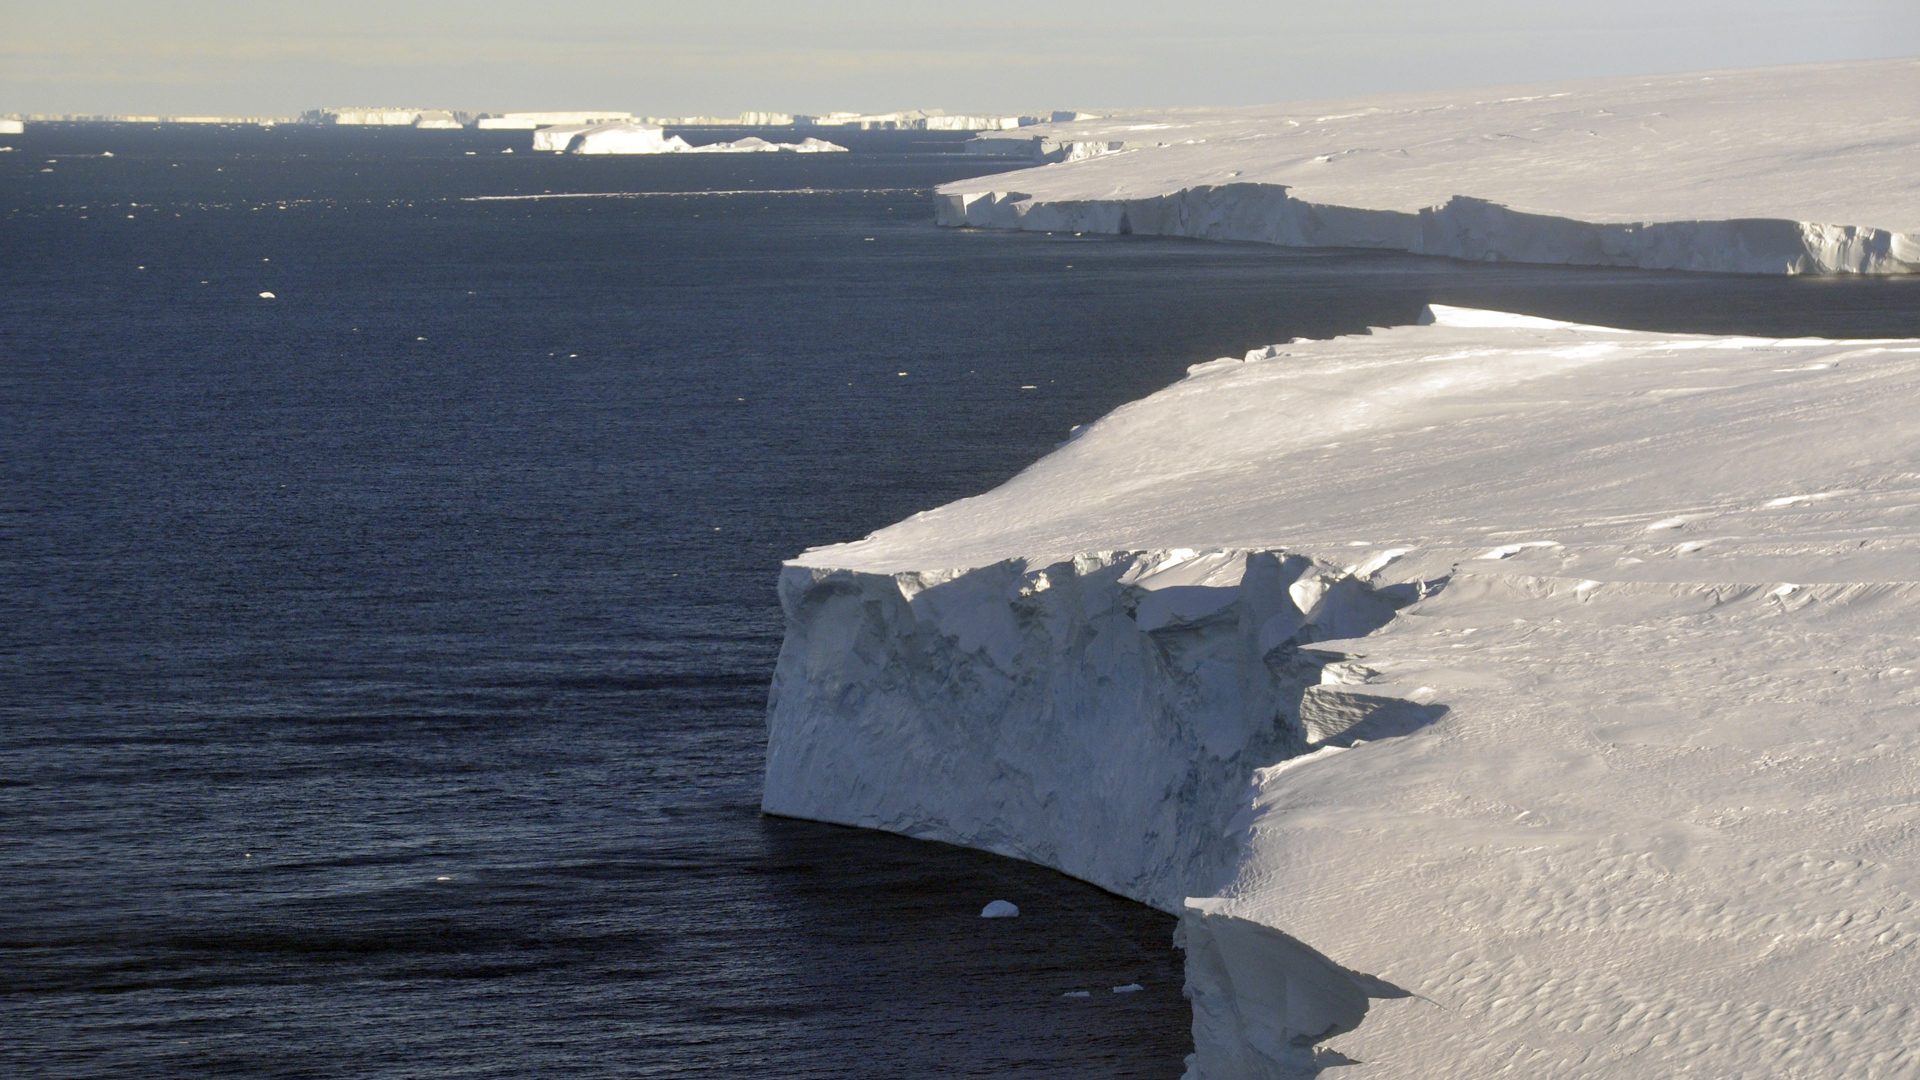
x=1494 y=696
x=1809 y=169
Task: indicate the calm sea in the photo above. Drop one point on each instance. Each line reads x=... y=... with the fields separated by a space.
x=383 y=664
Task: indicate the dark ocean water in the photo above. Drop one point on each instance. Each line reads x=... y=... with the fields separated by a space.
x=383 y=665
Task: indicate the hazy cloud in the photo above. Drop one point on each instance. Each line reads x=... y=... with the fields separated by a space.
x=727 y=55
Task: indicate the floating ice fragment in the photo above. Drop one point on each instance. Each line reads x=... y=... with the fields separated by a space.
x=1676 y=522
x=1128 y=989
x=999 y=909
x=1078 y=993
x=266 y=296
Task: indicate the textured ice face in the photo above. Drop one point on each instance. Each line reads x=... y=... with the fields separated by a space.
x=1124 y=696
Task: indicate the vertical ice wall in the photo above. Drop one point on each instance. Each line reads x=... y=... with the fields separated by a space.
x=1460 y=228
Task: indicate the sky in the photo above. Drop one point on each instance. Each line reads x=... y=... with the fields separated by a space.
x=269 y=57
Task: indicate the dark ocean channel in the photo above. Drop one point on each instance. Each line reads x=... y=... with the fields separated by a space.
x=383 y=665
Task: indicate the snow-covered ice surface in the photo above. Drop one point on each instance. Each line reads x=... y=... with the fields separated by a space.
x=1776 y=170
x=1494 y=697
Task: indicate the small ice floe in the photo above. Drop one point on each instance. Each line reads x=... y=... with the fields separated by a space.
x=266 y=296
x=1130 y=988
x=1508 y=551
x=443 y=878
x=1078 y=993
x=999 y=909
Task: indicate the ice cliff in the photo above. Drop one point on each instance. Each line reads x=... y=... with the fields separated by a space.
x=1812 y=169
x=1492 y=696
x=1012 y=685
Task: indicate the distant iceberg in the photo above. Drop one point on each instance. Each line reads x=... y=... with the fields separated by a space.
x=630 y=138
x=527 y=121
x=753 y=145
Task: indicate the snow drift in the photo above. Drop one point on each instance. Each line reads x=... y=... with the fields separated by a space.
x=1490 y=696
x=1811 y=169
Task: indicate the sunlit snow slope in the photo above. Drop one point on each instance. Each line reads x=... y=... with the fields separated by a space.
x=1810 y=169
x=1495 y=697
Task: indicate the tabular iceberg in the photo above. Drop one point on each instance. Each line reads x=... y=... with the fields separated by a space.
x=627 y=138
x=1811 y=169
x=1491 y=696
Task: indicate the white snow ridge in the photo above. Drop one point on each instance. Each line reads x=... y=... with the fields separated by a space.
x=1634 y=798
x=1812 y=169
